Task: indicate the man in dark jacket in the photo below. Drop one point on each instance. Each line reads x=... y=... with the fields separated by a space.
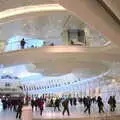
x=32 y=104
x=66 y=106
x=19 y=110
x=88 y=105
x=112 y=103
x=22 y=43
x=57 y=104
x=100 y=104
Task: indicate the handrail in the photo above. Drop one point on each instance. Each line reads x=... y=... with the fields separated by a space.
x=18 y=47
x=106 y=46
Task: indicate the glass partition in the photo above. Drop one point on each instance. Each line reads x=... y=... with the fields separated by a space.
x=14 y=43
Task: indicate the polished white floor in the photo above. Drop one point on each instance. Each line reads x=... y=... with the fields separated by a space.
x=7 y=115
x=75 y=112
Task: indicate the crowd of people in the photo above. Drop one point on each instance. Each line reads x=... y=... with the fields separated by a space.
x=60 y=104
x=64 y=103
x=13 y=104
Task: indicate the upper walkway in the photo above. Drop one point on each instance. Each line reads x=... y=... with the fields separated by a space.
x=49 y=53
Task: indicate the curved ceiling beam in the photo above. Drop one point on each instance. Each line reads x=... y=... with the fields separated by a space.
x=30 y=9
x=114 y=6
x=110 y=11
x=95 y=15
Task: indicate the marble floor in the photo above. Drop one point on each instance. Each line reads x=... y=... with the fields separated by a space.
x=7 y=115
x=75 y=112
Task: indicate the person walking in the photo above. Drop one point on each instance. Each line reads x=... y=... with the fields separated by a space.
x=32 y=104
x=71 y=101
x=85 y=101
x=57 y=104
x=88 y=105
x=112 y=103
x=51 y=102
x=74 y=101
x=36 y=104
x=100 y=104
x=66 y=106
x=40 y=105
x=19 y=110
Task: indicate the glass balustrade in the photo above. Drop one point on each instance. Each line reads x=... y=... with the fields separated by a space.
x=14 y=43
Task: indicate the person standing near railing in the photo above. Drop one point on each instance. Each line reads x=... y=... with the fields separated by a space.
x=22 y=43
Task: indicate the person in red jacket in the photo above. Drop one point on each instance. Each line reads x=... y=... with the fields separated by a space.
x=40 y=105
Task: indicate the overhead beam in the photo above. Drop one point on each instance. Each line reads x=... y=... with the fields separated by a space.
x=91 y=12
x=109 y=10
